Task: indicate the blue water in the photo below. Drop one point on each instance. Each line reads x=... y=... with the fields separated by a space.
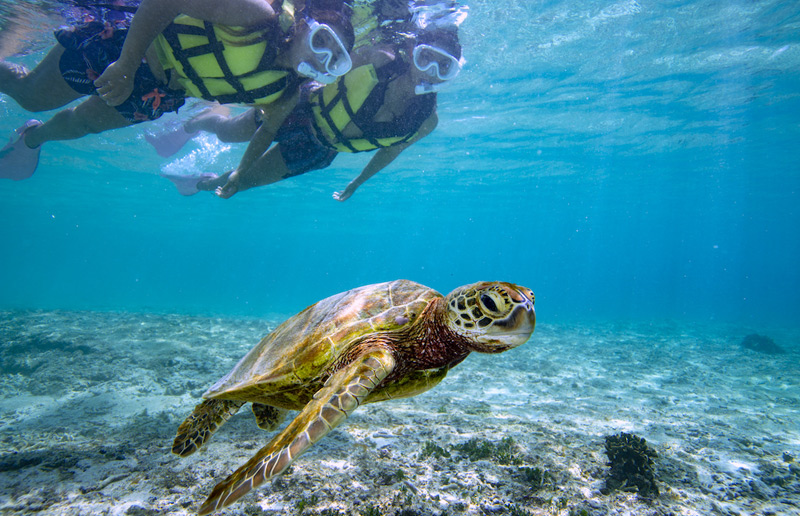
x=625 y=160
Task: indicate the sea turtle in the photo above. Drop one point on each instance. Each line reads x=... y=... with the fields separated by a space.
x=373 y=343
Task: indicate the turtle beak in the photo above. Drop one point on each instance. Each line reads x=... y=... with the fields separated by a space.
x=522 y=320
x=515 y=329
x=519 y=326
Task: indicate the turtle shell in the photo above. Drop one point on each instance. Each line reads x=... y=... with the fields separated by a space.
x=289 y=364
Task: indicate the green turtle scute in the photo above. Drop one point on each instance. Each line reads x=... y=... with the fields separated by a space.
x=281 y=370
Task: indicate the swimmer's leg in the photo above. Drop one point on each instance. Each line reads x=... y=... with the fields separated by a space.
x=269 y=168
x=227 y=128
x=40 y=89
x=92 y=116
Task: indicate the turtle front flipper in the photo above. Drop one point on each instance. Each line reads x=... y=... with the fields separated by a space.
x=201 y=424
x=341 y=394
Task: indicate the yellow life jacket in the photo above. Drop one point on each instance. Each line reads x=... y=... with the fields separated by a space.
x=213 y=63
x=336 y=105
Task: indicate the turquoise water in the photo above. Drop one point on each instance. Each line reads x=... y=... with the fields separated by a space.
x=634 y=163
x=625 y=160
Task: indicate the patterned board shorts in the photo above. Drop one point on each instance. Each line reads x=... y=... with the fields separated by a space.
x=90 y=48
x=299 y=146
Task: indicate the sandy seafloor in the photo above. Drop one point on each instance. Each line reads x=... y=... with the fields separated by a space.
x=89 y=403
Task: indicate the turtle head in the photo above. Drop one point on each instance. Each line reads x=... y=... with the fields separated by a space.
x=493 y=316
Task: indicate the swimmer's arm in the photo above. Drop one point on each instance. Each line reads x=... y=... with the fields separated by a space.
x=383 y=157
x=379 y=161
x=153 y=16
x=249 y=174
x=273 y=116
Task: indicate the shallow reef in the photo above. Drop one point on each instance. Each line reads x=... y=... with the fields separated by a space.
x=90 y=402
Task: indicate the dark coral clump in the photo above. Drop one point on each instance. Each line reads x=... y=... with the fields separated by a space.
x=631 y=462
x=503 y=452
x=431 y=449
x=762 y=344
x=536 y=478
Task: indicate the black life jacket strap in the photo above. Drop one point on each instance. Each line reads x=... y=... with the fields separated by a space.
x=353 y=118
x=171 y=35
x=364 y=119
x=325 y=111
x=250 y=96
x=216 y=47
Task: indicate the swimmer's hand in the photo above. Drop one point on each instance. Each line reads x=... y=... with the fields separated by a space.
x=343 y=196
x=115 y=84
x=227 y=190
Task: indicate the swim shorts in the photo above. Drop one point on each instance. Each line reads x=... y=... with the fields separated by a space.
x=90 y=48
x=300 y=148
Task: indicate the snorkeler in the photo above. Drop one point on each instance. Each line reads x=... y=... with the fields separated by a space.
x=386 y=103
x=244 y=53
x=372 y=22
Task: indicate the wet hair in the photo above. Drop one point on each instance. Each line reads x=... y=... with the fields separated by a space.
x=379 y=7
x=336 y=14
x=396 y=4
x=446 y=39
x=398 y=34
x=341 y=6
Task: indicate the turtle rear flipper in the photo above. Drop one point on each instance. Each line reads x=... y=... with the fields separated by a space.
x=331 y=405
x=267 y=417
x=201 y=424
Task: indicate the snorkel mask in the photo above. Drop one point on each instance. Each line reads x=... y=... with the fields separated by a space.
x=437 y=63
x=330 y=53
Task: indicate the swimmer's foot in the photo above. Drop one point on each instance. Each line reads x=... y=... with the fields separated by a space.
x=213 y=183
x=169 y=141
x=17 y=160
x=172 y=139
x=207 y=118
x=187 y=184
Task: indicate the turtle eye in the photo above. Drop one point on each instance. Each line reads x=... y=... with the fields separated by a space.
x=490 y=302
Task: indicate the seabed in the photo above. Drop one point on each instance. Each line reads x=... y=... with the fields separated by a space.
x=89 y=405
